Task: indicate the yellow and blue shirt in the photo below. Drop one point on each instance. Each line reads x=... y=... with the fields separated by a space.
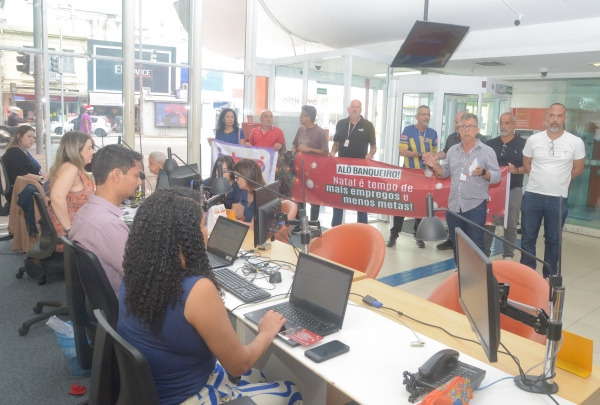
x=414 y=140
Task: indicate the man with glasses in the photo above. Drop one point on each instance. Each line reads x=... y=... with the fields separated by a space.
x=509 y=152
x=472 y=166
x=310 y=138
x=552 y=158
x=415 y=141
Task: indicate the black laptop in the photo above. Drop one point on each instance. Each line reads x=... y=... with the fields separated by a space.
x=318 y=299
x=225 y=241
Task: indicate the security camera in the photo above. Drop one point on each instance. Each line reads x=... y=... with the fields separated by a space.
x=544 y=71
x=318 y=65
x=517 y=23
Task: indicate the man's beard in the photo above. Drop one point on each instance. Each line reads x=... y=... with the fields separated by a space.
x=553 y=129
x=504 y=132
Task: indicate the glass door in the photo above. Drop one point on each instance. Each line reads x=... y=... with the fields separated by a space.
x=453 y=104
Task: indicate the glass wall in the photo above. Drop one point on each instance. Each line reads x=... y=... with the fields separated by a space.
x=453 y=103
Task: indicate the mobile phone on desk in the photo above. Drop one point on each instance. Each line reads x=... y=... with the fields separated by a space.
x=327 y=351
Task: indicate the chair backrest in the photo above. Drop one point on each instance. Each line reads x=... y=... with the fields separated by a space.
x=291 y=209
x=136 y=383
x=7 y=184
x=526 y=286
x=358 y=246
x=44 y=246
x=95 y=284
x=77 y=307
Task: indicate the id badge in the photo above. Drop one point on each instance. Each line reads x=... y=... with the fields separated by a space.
x=463 y=177
x=347 y=143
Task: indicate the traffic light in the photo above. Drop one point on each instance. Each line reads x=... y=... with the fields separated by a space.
x=25 y=59
x=54 y=64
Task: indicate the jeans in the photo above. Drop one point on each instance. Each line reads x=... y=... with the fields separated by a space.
x=510 y=232
x=338 y=214
x=534 y=208
x=397 y=226
x=476 y=215
x=314 y=211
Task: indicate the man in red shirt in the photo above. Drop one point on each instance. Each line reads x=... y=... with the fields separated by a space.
x=267 y=135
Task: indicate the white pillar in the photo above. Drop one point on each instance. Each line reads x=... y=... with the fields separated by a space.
x=195 y=84
x=128 y=72
x=250 y=61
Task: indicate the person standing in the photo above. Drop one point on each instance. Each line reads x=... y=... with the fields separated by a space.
x=267 y=135
x=468 y=186
x=228 y=129
x=352 y=138
x=415 y=141
x=509 y=152
x=85 y=122
x=310 y=138
x=551 y=158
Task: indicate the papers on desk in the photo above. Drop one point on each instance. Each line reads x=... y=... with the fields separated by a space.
x=128 y=213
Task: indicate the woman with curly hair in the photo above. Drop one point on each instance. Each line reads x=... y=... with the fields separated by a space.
x=171 y=310
x=244 y=208
x=228 y=128
x=70 y=185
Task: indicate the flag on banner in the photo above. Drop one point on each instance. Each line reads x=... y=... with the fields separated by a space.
x=265 y=157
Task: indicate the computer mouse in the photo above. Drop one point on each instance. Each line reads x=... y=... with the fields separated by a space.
x=275 y=277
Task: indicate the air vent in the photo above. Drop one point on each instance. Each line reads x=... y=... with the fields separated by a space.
x=489 y=64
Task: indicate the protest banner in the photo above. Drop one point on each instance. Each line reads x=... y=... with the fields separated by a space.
x=265 y=157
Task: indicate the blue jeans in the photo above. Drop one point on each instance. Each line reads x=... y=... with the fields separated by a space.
x=534 y=208
x=338 y=214
x=476 y=215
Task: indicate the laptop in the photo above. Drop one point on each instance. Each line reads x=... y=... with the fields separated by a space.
x=225 y=241
x=318 y=299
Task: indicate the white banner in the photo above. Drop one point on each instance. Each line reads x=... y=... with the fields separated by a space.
x=265 y=157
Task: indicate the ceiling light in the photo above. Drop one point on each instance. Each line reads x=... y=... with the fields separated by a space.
x=596 y=64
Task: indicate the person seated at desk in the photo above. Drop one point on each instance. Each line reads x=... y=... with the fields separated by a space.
x=170 y=309
x=98 y=226
x=156 y=160
x=235 y=194
x=19 y=162
x=229 y=129
x=244 y=208
x=70 y=185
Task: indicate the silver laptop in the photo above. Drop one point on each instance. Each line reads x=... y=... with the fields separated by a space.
x=225 y=241
x=318 y=299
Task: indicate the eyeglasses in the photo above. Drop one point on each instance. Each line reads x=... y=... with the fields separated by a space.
x=469 y=127
x=551 y=146
x=503 y=151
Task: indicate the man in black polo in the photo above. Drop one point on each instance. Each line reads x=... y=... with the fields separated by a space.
x=509 y=152
x=352 y=138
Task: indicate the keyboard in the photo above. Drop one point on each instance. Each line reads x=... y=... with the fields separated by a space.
x=216 y=261
x=302 y=318
x=239 y=286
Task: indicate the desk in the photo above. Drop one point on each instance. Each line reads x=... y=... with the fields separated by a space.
x=571 y=387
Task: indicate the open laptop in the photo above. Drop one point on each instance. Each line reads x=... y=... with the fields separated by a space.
x=225 y=241
x=318 y=299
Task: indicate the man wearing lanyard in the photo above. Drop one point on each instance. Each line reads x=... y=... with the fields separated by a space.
x=414 y=142
x=509 y=152
x=352 y=138
x=472 y=166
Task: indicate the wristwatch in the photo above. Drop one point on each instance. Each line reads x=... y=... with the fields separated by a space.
x=420 y=155
x=483 y=173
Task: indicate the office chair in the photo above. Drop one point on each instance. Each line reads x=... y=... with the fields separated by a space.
x=526 y=286
x=291 y=209
x=136 y=383
x=41 y=260
x=7 y=186
x=358 y=246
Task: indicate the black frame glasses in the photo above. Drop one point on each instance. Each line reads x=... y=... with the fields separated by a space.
x=551 y=146
x=503 y=151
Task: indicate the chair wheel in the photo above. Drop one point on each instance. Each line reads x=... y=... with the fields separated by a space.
x=42 y=280
x=19 y=275
x=37 y=309
x=23 y=331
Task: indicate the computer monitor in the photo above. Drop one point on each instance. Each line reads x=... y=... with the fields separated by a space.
x=478 y=294
x=266 y=205
x=184 y=175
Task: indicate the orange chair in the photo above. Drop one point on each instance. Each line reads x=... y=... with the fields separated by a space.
x=291 y=209
x=526 y=286
x=358 y=246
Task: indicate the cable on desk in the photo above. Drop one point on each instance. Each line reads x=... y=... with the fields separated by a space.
x=497 y=381
x=296 y=250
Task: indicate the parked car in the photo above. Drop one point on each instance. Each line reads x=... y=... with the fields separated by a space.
x=100 y=126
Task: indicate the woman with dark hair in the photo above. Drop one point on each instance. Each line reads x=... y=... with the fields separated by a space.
x=235 y=195
x=244 y=210
x=170 y=309
x=70 y=185
x=18 y=161
x=228 y=129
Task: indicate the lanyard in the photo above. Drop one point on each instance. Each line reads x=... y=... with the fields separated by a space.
x=349 y=123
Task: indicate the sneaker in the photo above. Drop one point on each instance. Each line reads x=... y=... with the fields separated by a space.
x=391 y=241
x=445 y=246
x=296 y=230
x=420 y=244
x=508 y=258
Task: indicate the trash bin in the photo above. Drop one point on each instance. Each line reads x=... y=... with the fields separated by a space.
x=70 y=366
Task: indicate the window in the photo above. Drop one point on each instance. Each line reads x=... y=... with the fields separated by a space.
x=68 y=63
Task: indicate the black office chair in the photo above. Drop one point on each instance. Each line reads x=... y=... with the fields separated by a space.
x=40 y=261
x=7 y=186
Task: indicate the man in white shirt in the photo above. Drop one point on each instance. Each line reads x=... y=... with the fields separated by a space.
x=552 y=158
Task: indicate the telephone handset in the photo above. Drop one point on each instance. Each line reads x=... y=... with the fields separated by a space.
x=437 y=371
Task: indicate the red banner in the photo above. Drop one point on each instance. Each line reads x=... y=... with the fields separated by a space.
x=369 y=186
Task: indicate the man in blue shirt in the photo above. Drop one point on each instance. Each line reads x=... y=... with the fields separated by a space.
x=415 y=141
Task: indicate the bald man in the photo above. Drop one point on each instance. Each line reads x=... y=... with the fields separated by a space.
x=352 y=138
x=267 y=135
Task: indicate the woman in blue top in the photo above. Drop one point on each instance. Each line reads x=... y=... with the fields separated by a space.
x=228 y=129
x=244 y=210
x=171 y=310
x=235 y=195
